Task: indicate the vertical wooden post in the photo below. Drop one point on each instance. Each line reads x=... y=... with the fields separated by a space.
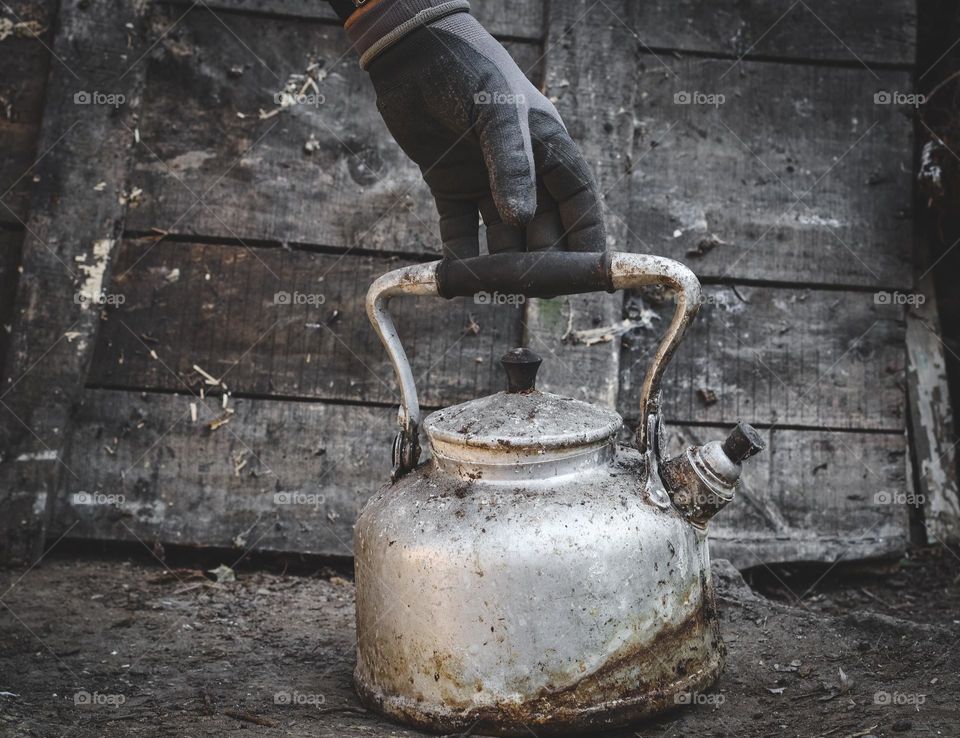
x=932 y=444
x=75 y=217
x=591 y=77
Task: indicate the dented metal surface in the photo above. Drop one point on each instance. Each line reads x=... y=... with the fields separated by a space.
x=533 y=573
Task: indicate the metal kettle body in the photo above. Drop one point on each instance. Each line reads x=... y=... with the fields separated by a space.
x=534 y=573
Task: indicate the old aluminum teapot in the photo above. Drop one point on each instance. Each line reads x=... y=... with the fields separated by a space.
x=533 y=573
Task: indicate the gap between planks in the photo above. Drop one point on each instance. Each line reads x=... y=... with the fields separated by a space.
x=628 y=420
x=188 y=239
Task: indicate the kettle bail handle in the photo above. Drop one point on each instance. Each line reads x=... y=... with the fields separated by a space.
x=533 y=274
x=629 y=271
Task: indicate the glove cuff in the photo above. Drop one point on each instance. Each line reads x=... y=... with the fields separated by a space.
x=383 y=25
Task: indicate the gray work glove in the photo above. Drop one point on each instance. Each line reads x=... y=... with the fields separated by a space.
x=484 y=137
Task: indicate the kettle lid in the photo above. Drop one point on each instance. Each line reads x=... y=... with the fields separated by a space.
x=521 y=425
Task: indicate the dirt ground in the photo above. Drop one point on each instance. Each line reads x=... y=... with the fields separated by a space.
x=155 y=651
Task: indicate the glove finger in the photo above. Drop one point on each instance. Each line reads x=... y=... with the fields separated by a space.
x=545 y=230
x=567 y=177
x=501 y=236
x=508 y=154
x=459 y=227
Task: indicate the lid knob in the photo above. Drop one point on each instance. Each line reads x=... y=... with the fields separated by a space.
x=742 y=443
x=521 y=365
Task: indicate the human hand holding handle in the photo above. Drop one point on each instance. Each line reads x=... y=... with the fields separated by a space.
x=484 y=137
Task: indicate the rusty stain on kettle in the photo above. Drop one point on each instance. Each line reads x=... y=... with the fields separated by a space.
x=616 y=694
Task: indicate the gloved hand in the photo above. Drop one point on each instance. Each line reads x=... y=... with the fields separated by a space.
x=484 y=137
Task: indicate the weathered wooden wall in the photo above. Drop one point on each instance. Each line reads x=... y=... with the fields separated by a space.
x=791 y=200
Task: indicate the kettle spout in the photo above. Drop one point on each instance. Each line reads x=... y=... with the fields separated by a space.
x=701 y=481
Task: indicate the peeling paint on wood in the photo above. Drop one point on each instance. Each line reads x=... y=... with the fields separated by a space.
x=47 y=455
x=93 y=273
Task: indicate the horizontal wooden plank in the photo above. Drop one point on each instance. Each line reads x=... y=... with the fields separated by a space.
x=821 y=30
x=272 y=321
x=25 y=62
x=883 y=31
x=184 y=483
x=811 y=496
x=181 y=482
x=523 y=19
x=826 y=205
x=204 y=169
x=793 y=175
x=797 y=357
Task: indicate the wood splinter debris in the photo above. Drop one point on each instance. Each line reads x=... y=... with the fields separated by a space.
x=863 y=733
x=23 y=29
x=239 y=462
x=705 y=246
x=207 y=377
x=605 y=334
x=132 y=198
x=221 y=421
x=249 y=717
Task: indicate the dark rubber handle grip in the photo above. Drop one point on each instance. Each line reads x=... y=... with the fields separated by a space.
x=532 y=274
